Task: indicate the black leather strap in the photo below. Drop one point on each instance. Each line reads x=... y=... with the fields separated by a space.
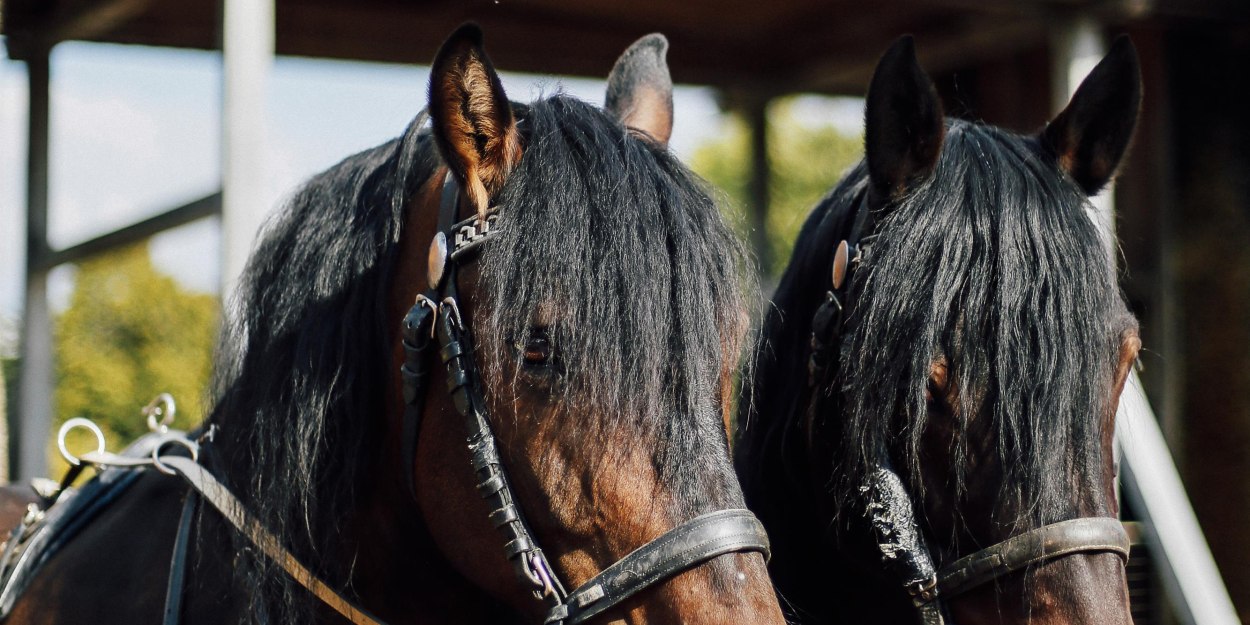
x=175 y=587
x=418 y=329
x=1086 y=535
x=681 y=548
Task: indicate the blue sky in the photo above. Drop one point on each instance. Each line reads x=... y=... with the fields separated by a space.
x=136 y=130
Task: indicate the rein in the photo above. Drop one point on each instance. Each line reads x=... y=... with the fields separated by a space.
x=887 y=504
x=436 y=316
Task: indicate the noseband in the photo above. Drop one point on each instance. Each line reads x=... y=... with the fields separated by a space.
x=436 y=316
x=888 y=506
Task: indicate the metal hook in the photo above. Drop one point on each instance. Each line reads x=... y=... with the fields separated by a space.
x=162 y=406
x=176 y=440
x=78 y=422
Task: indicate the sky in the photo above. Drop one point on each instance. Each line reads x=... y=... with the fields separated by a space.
x=136 y=131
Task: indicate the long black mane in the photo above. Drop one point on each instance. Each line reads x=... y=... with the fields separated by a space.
x=994 y=263
x=298 y=401
x=607 y=226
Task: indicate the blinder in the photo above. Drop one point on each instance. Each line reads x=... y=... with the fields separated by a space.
x=435 y=317
x=887 y=505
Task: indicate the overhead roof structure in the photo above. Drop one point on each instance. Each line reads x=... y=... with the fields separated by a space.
x=770 y=46
x=751 y=50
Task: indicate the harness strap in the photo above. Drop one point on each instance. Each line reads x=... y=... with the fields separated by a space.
x=216 y=493
x=1090 y=534
x=178 y=562
x=684 y=547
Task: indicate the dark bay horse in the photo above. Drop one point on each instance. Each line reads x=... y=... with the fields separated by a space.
x=941 y=370
x=595 y=333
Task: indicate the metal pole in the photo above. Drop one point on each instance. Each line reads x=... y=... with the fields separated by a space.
x=29 y=426
x=1152 y=484
x=247 y=55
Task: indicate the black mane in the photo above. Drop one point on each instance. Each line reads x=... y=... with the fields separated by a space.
x=606 y=225
x=298 y=404
x=993 y=262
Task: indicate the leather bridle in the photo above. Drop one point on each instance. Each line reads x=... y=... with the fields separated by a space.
x=436 y=316
x=887 y=505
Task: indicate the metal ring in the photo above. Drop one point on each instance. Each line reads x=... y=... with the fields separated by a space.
x=162 y=405
x=78 y=422
x=538 y=566
x=177 y=440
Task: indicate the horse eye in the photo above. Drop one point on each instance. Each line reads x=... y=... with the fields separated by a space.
x=537 y=350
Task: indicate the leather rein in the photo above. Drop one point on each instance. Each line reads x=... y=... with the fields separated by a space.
x=436 y=317
x=887 y=504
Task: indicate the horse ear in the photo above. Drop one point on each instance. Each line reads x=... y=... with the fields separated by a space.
x=1091 y=135
x=640 y=90
x=903 y=125
x=473 y=123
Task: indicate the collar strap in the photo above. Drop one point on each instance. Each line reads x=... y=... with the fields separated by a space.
x=681 y=548
x=1049 y=542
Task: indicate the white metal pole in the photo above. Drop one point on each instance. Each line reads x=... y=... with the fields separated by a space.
x=247 y=55
x=30 y=427
x=1153 y=486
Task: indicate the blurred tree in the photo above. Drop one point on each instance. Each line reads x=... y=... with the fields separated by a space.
x=805 y=160
x=130 y=333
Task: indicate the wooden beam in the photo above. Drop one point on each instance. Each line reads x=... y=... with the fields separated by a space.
x=199 y=209
x=67 y=20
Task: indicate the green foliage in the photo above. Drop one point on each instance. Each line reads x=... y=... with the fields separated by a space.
x=129 y=334
x=805 y=161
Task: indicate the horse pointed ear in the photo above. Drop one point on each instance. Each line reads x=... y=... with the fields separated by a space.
x=640 y=90
x=1091 y=135
x=903 y=124
x=473 y=123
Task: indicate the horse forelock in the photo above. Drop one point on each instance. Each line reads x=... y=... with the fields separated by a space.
x=645 y=279
x=995 y=265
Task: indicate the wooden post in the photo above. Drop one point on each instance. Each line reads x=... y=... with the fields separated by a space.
x=755 y=110
x=30 y=424
x=247 y=54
